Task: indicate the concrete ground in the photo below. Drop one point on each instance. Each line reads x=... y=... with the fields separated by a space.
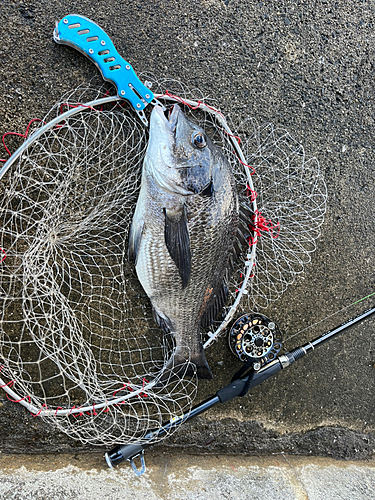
x=307 y=66
x=183 y=477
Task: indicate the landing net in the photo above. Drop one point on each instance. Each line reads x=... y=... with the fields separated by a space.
x=78 y=345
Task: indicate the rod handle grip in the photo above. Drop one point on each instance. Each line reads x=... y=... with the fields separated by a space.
x=123 y=452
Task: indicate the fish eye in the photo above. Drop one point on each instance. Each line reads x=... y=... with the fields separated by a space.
x=199 y=140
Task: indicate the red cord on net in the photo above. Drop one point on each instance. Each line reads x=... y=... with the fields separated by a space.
x=18 y=400
x=238 y=139
x=241 y=276
x=80 y=105
x=61 y=110
x=250 y=193
x=106 y=94
x=40 y=411
x=19 y=135
x=143 y=394
x=93 y=412
x=124 y=386
x=4 y=255
x=10 y=385
x=129 y=388
x=77 y=105
x=75 y=415
x=259 y=224
x=57 y=409
x=199 y=103
x=245 y=164
x=239 y=286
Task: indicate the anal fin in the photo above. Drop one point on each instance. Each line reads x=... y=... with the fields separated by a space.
x=162 y=321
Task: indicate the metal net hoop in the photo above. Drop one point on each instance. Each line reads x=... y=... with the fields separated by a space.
x=78 y=346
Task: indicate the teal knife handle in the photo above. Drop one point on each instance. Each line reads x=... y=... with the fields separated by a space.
x=87 y=37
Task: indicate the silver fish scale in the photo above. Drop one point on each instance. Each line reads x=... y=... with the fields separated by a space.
x=212 y=224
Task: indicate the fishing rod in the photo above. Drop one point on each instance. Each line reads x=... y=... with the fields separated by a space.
x=255 y=339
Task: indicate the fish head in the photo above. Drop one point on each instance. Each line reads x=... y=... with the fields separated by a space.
x=180 y=156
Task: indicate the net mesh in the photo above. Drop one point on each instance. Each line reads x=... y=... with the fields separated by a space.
x=291 y=197
x=77 y=341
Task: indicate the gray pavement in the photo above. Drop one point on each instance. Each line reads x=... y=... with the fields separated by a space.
x=187 y=477
x=307 y=66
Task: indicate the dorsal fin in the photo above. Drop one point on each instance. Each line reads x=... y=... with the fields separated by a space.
x=240 y=246
x=241 y=242
x=215 y=305
x=244 y=219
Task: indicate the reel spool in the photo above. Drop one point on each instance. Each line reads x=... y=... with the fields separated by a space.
x=255 y=338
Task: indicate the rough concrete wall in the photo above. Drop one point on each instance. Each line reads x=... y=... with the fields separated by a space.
x=307 y=66
x=186 y=477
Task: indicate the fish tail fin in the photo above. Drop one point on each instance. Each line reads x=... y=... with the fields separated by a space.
x=200 y=362
x=182 y=365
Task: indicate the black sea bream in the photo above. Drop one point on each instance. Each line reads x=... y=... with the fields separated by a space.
x=183 y=232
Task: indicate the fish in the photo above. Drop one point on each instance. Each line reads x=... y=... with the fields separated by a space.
x=183 y=234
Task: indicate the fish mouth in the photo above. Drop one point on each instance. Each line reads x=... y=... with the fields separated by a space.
x=174 y=114
x=169 y=118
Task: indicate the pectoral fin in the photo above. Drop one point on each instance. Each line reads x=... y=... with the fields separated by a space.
x=208 y=190
x=135 y=236
x=178 y=242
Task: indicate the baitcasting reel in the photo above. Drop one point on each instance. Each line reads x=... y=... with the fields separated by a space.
x=254 y=338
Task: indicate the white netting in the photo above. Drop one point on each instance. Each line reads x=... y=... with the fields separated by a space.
x=291 y=199
x=77 y=340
